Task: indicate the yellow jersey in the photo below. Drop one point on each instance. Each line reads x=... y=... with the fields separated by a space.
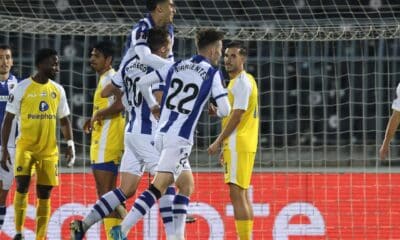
x=107 y=143
x=243 y=94
x=37 y=107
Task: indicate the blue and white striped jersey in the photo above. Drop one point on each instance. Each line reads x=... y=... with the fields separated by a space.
x=140 y=118
x=5 y=89
x=188 y=86
x=136 y=45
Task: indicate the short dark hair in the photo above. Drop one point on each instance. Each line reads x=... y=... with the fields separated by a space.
x=43 y=54
x=205 y=37
x=106 y=47
x=5 y=47
x=157 y=38
x=152 y=4
x=239 y=45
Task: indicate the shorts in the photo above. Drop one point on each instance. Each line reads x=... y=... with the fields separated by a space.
x=7 y=177
x=107 y=166
x=46 y=167
x=174 y=157
x=140 y=154
x=238 y=167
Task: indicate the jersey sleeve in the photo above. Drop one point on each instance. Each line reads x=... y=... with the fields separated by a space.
x=217 y=89
x=241 y=91
x=14 y=100
x=396 y=102
x=63 y=108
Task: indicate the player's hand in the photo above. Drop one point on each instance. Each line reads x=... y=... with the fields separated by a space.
x=214 y=147
x=156 y=111
x=70 y=154
x=87 y=127
x=212 y=110
x=221 y=159
x=383 y=152
x=4 y=159
x=97 y=118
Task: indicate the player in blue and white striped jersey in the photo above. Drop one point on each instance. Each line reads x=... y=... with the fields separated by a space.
x=161 y=14
x=188 y=86
x=140 y=153
x=7 y=83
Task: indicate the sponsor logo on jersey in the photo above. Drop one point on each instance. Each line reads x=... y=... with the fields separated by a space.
x=43 y=106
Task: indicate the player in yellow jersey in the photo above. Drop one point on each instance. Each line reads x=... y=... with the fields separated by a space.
x=37 y=102
x=107 y=127
x=239 y=136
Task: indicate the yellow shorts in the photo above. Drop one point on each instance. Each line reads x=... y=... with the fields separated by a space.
x=238 y=167
x=46 y=167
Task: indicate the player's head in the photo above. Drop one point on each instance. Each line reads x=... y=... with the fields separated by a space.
x=209 y=44
x=235 y=57
x=159 y=42
x=47 y=62
x=6 y=60
x=162 y=11
x=102 y=56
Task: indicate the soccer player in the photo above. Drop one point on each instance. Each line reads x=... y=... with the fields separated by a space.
x=189 y=84
x=139 y=151
x=239 y=136
x=107 y=127
x=7 y=83
x=37 y=102
x=392 y=126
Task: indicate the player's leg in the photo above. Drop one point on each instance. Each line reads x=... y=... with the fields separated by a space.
x=144 y=202
x=185 y=184
x=105 y=175
x=47 y=178
x=238 y=170
x=6 y=178
x=22 y=172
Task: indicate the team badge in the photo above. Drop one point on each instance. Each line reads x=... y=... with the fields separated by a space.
x=53 y=95
x=43 y=106
x=10 y=98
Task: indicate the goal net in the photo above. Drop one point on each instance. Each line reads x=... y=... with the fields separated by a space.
x=326 y=73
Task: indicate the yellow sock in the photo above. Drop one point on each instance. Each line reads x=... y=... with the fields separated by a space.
x=244 y=229
x=109 y=223
x=43 y=209
x=20 y=205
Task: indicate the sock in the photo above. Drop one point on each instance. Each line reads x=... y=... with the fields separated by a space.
x=103 y=207
x=244 y=229
x=141 y=206
x=43 y=210
x=20 y=204
x=180 y=207
x=109 y=223
x=166 y=211
x=2 y=215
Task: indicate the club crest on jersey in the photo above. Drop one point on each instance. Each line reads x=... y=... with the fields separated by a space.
x=10 y=98
x=43 y=106
x=53 y=95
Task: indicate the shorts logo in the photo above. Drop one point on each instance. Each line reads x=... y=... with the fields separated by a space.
x=11 y=86
x=43 y=106
x=53 y=95
x=19 y=169
x=11 y=98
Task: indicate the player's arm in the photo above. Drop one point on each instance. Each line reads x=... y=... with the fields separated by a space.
x=148 y=58
x=144 y=84
x=5 y=134
x=391 y=128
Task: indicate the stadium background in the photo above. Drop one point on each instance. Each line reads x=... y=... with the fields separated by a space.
x=326 y=73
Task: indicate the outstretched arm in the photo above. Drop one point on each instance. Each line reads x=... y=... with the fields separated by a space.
x=390 y=131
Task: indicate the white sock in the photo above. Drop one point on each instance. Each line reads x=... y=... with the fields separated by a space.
x=165 y=203
x=179 y=210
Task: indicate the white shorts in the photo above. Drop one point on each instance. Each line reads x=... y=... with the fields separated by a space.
x=7 y=177
x=174 y=156
x=139 y=155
